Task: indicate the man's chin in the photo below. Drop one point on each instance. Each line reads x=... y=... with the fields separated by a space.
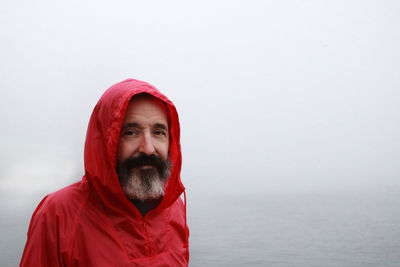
x=136 y=188
x=144 y=196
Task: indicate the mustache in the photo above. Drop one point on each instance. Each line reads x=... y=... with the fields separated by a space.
x=142 y=160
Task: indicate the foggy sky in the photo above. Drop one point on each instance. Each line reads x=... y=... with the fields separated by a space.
x=273 y=96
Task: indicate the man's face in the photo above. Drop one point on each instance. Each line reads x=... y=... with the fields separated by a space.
x=142 y=155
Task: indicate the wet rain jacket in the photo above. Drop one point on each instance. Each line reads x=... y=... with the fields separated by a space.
x=91 y=222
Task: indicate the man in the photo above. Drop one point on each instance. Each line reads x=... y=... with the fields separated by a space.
x=127 y=210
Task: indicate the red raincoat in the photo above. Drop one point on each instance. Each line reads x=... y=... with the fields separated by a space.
x=91 y=222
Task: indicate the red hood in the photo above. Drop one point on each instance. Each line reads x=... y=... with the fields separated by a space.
x=102 y=140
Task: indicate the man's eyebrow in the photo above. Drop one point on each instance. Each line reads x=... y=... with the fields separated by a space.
x=137 y=125
x=161 y=126
x=131 y=125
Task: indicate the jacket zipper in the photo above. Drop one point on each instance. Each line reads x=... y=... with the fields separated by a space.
x=148 y=245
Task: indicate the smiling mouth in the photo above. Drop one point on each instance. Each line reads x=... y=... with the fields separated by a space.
x=146 y=167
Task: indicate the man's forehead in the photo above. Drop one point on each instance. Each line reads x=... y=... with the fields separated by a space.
x=145 y=97
x=145 y=101
x=141 y=96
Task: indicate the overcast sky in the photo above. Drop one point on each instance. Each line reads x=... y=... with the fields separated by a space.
x=273 y=96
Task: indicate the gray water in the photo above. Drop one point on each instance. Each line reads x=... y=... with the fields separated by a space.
x=270 y=230
x=297 y=230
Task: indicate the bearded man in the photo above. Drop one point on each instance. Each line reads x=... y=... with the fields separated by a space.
x=126 y=210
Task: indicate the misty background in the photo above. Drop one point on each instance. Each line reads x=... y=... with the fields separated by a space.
x=276 y=98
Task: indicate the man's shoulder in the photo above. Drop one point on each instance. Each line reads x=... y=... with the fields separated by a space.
x=69 y=198
x=69 y=194
x=178 y=209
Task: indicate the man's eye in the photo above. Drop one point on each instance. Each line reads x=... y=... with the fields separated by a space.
x=129 y=133
x=161 y=133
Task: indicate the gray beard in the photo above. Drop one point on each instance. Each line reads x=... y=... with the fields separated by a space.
x=144 y=184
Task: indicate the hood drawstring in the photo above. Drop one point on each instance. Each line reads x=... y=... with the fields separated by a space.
x=186 y=230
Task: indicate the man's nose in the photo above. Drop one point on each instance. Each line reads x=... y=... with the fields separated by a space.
x=147 y=146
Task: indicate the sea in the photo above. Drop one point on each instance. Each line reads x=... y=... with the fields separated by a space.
x=271 y=229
